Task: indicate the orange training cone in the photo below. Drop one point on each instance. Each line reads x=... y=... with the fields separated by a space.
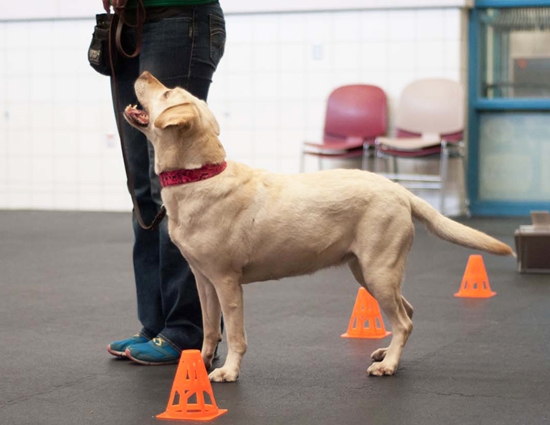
x=187 y=399
x=475 y=283
x=366 y=320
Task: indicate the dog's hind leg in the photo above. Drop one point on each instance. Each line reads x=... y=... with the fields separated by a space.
x=386 y=289
x=380 y=354
x=230 y=294
x=211 y=318
x=358 y=274
x=408 y=307
x=355 y=267
x=382 y=259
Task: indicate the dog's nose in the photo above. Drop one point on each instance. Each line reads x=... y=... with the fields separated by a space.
x=146 y=75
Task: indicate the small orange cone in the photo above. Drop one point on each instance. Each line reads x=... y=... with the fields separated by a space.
x=187 y=399
x=475 y=283
x=366 y=320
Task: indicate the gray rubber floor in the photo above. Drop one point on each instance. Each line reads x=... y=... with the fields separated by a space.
x=66 y=290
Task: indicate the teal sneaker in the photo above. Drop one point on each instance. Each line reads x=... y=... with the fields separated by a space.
x=155 y=352
x=118 y=348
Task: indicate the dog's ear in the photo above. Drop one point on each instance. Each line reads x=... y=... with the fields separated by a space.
x=208 y=117
x=179 y=115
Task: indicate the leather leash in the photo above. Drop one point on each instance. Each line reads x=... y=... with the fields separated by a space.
x=120 y=21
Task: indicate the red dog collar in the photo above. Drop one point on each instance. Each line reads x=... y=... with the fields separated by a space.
x=172 y=178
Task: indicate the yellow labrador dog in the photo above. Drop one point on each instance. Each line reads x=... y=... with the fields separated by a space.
x=236 y=225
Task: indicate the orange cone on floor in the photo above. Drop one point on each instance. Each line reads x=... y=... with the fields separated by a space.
x=475 y=283
x=366 y=320
x=191 y=397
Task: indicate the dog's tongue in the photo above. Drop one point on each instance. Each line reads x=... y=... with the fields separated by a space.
x=137 y=115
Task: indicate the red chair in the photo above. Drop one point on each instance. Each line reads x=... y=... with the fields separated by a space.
x=355 y=117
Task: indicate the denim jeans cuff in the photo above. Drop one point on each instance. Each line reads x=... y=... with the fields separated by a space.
x=174 y=346
x=147 y=334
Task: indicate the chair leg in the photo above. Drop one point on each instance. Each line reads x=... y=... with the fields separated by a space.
x=302 y=162
x=366 y=155
x=377 y=158
x=444 y=167
x=394 y=165
x=320 y=162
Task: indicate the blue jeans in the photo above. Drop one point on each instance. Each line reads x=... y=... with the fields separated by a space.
x=182 y=50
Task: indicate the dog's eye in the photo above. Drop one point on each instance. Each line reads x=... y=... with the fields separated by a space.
x=166 y=94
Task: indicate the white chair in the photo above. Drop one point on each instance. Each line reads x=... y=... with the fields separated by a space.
x=429 y=122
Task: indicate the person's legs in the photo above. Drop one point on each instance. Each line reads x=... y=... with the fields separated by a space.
x=146 y=259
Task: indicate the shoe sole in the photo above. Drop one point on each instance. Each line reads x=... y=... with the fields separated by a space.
x=146 y=363
x=119 y=354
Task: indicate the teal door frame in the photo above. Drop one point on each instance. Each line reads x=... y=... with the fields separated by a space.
x=478 y=105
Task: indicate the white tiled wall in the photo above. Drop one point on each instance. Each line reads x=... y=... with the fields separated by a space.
x=58 y=143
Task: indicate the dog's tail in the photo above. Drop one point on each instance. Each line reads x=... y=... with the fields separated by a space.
x=454 y=232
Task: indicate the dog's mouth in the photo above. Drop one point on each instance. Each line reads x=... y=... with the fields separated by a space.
x=136 y=116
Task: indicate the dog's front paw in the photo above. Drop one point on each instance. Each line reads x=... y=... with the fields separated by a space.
x=223 y=374
x=381 y=369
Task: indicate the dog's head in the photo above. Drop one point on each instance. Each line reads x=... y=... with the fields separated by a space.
x=165 y=108
x=174 y=120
